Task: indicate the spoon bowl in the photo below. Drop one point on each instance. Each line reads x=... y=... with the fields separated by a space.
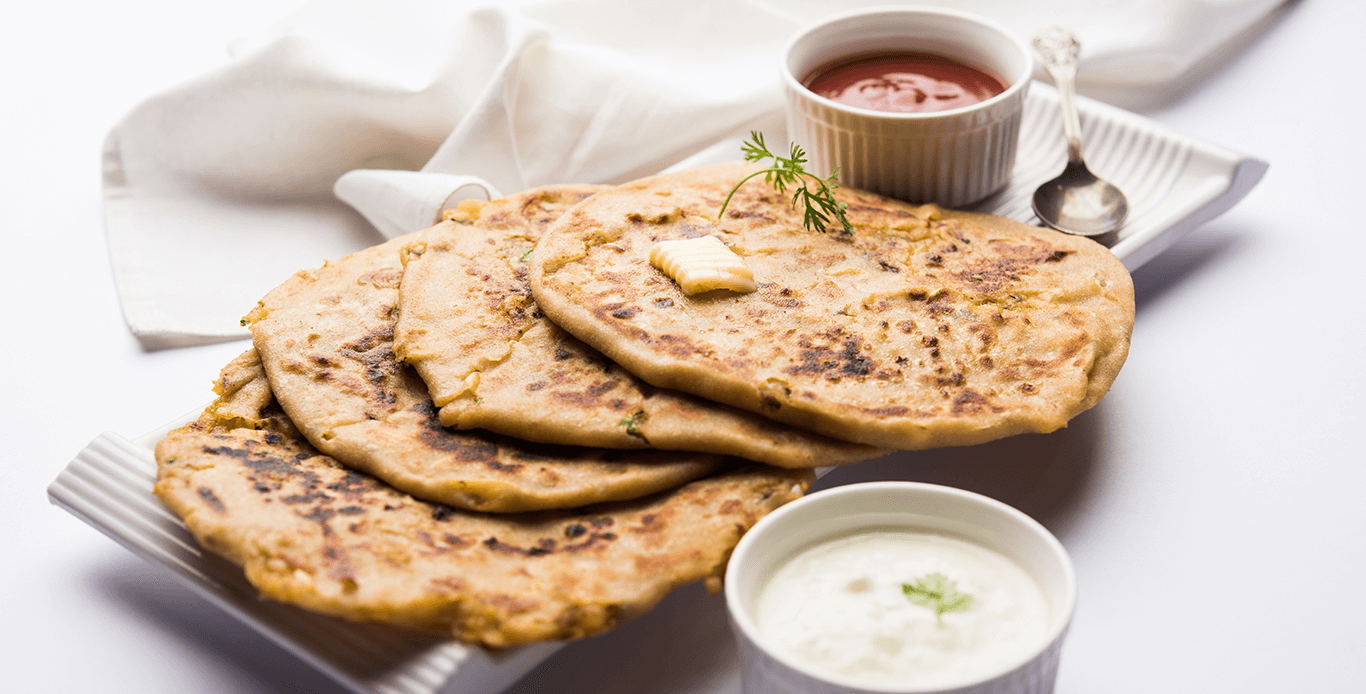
x=1076 y=202
x=1079 y=203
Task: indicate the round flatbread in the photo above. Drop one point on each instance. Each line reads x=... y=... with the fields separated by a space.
x=325 y=338
x=491 y=360
x=310 y=532
x=923 y=327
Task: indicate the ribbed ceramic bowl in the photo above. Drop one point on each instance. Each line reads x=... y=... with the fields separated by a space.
x=955 y=157
x=881 y=505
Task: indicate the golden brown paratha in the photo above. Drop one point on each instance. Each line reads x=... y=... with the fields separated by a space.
x=491 y=360
x=308 y=531
x=325 y=338
x=924 y=327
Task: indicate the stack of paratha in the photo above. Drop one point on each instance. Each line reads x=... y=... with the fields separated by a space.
x=511 y=427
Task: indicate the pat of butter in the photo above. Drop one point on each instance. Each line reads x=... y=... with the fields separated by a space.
x=702 y=264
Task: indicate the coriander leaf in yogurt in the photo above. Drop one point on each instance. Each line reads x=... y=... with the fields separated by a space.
x=938 y=593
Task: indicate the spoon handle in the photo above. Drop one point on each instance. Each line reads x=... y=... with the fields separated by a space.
x=1059 y=49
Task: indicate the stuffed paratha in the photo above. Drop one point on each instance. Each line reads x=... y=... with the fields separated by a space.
x=325 y=338
x=924 y=327
x=308 y=531
x=491 y=360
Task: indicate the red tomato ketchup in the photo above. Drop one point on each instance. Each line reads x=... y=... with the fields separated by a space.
x=903 y=82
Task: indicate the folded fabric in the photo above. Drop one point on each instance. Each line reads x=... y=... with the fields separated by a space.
x=218 y=190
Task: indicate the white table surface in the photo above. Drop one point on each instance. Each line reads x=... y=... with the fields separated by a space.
x=1212 y=503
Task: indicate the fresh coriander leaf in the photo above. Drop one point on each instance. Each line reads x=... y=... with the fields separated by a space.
x=819 y=204
x=938 y=593
x=630 y=424
x=528 y=252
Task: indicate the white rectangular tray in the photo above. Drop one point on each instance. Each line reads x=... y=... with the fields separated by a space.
x=1174 y=184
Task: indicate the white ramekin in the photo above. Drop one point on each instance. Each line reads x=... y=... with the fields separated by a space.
x=954 y=157
x=841 y=510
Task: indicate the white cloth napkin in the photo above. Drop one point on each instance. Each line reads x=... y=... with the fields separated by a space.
x=220 y=189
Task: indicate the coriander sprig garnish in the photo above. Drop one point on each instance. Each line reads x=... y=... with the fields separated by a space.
x=819 y=204
x=938 y=593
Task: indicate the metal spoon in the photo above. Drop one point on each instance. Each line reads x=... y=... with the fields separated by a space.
x=1076 y=201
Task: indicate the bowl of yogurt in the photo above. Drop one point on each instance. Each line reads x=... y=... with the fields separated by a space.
x=899 y=587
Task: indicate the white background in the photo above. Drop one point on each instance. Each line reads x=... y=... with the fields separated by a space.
x=1212 y=503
